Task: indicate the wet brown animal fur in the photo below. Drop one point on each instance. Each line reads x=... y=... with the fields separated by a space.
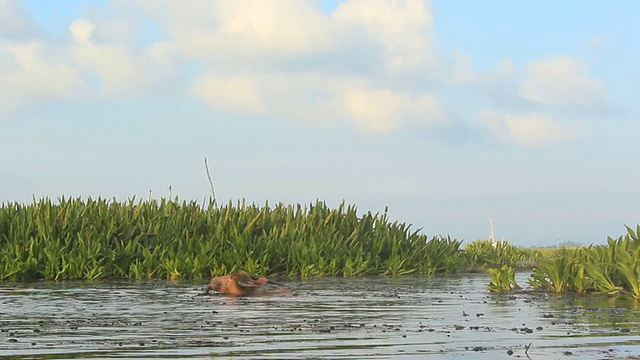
x=243 y=284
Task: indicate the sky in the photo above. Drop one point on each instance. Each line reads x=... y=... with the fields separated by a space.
x=449 y=113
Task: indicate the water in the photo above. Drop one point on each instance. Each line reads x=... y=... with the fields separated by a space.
x=370 y=318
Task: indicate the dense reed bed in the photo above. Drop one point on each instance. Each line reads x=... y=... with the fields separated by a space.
x=98 y=238
x=171 y=239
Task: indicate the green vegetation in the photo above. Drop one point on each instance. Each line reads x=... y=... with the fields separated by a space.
x=503 y=279
x=612 y=269
x=92 y=239
x=169 y=239
x=495 y=254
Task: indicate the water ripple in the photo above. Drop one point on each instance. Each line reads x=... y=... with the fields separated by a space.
x=368 y=318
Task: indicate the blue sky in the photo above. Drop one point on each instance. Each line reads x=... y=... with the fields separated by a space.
x=449 y=113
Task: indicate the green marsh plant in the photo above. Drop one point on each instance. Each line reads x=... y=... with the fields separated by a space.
x=612 y=269
x=73 y=238
x=502 y=279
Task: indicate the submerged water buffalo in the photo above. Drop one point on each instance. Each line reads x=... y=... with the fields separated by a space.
x=243 y=284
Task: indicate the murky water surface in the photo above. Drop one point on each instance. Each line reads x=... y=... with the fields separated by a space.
x=371 y=318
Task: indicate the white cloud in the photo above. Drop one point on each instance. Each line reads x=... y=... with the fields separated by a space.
x=318 y=99
x=243 y=30
x=114 y=65
x=383 y=111
x=120 y=68
x=561 y=81
x=31 y=70
x=527 y=129
x=81 y=30
x=250 y=34
x=538 y=104
x=374 y=110
x=250 y=53
x=367 y=63
x=246 y=42
x=403 y=28
x=560 y=84
x=240 y=94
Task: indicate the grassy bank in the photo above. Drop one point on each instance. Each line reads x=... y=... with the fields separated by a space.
x=169 y=239
x=97 y=238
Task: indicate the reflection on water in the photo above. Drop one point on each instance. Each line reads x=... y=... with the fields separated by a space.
x=370 y=318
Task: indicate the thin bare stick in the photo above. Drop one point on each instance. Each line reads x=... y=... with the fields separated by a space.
x=493 y=239
x=213 y=192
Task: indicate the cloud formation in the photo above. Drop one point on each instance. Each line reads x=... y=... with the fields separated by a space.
x=402 y=28
x=560 y=81
x=382 y=111
x=536 y=99
x=259 y=53
x=527 y=129
x=33 y=70
x=369 y=63
x=231 y=31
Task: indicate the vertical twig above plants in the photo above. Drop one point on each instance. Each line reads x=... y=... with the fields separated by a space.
x=213 y=192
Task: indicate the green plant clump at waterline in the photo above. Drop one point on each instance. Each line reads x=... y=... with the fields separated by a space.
x=169 y=239
x=612 y=269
